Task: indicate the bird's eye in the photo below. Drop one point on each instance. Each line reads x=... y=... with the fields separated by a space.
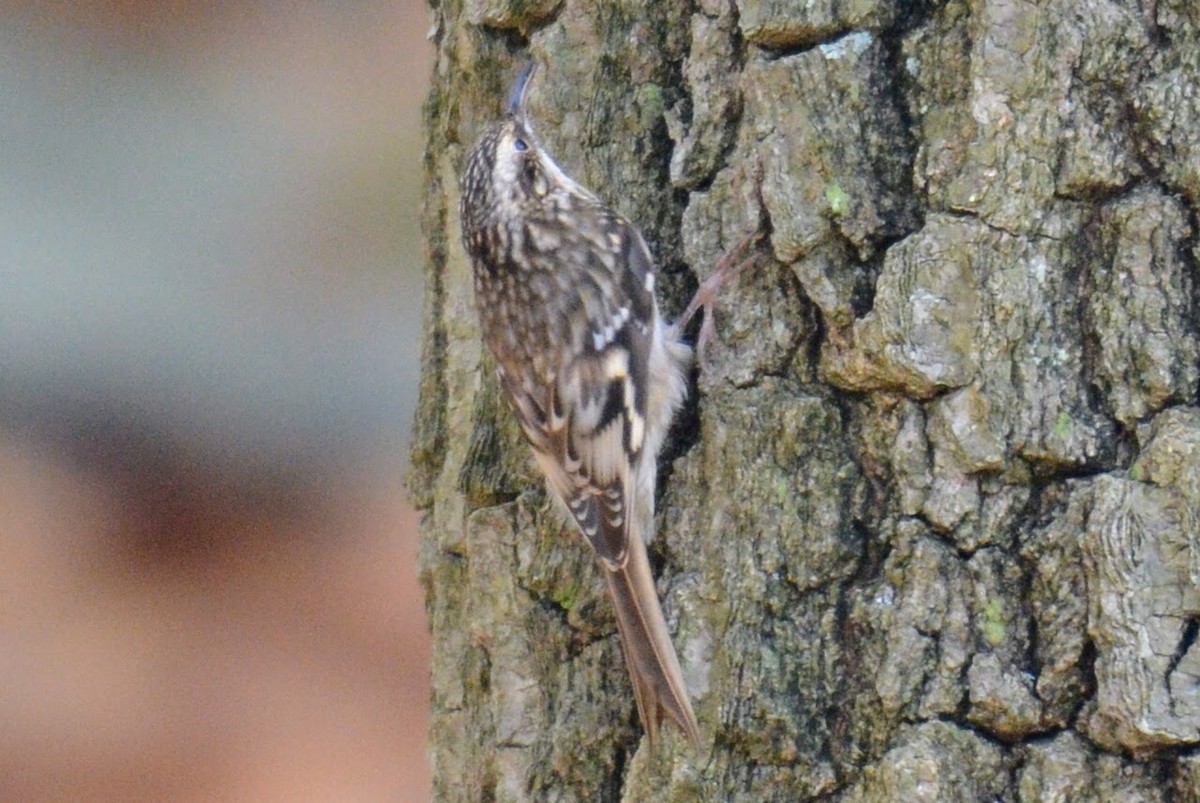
x=520 y=145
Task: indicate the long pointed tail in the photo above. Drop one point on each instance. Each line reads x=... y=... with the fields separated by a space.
x=653 y=665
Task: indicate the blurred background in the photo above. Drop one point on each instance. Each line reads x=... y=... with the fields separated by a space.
x=209 y=330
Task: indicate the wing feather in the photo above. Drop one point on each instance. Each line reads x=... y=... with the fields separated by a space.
x=588 y=423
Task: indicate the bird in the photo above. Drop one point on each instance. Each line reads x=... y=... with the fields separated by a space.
x=565 y=292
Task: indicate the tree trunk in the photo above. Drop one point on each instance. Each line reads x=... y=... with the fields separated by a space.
x=929 y=528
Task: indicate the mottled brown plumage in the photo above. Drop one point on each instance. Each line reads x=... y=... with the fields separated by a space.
x=565 y=291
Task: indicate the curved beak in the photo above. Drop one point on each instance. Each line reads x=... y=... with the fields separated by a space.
x=520 y=91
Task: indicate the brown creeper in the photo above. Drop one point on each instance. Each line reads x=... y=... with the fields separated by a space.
x=565 y=291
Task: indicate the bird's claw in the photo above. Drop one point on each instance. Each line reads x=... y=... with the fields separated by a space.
x=729 y=268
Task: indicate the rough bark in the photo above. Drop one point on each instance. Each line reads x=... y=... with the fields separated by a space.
x=930 y=529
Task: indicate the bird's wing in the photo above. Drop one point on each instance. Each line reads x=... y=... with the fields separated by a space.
x=588 y=424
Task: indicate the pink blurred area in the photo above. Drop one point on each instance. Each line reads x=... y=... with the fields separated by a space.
x=209 y=345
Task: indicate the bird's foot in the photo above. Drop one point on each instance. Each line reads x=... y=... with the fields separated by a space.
x=732 y=265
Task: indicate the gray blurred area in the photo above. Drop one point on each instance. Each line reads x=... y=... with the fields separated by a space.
x=210 y=280
x=200 y=245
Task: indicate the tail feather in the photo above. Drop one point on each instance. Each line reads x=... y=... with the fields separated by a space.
x=653 y=665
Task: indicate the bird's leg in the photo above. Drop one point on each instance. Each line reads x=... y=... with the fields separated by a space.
x=729 y=268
